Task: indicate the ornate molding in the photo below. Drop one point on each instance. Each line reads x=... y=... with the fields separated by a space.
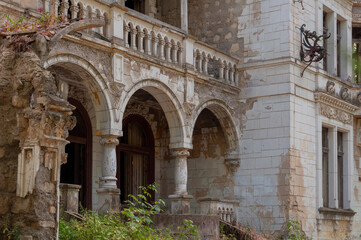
x=336 y=114
x=181 y=153
x=335 y=102
x=109 y=140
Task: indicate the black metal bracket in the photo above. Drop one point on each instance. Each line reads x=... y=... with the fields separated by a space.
x=299 y=1
x=311 y=51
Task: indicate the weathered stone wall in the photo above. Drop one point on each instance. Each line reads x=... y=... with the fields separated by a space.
x=170 y=12
x=216 y=23
x=24 y=90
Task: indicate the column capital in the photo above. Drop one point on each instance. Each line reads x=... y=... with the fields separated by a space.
x=109 y=140
x=180 y=152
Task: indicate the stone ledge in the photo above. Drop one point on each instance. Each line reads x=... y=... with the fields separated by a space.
x=336 y=211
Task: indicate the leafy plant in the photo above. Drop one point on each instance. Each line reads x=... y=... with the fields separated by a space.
x=134 y=222
x=11 y=25
x=10 y=232
x=294 y=231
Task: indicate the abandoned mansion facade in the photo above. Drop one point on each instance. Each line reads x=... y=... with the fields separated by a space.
x=209 y=99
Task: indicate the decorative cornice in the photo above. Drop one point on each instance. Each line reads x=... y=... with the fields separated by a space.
x=335 y=102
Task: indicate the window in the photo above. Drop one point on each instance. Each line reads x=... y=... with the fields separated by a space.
x=325 y=166
x=337 y=47
x=338 y=27
x=325 y=30
x=335 y=168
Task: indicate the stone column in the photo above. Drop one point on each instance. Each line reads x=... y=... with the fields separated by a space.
x=184 y=14
x=180 y=200
x=108 y=193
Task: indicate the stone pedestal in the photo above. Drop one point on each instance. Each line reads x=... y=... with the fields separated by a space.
x=180 y=204
x=108 y=200
x=69 y=198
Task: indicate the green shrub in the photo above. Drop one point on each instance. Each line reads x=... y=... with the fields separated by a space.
x=134 y=222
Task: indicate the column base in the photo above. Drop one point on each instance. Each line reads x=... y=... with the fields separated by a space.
x=108 y=200
x=180 y=204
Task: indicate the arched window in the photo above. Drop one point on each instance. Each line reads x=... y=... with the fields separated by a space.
x=135 y=156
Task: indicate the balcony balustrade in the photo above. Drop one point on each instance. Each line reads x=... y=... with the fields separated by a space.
x=151 y=37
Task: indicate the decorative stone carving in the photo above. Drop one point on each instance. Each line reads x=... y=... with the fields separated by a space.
x=335 y=108
x=188 y=108
x=335 y=114
x=47 y=130
x=330 y=87
x=28 y=166
x=232 y=164
x=344 y=94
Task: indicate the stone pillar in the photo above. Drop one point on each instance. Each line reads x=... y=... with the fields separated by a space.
x=180 y=200
x=184 y=15
x=108 y=194
x=69 y=198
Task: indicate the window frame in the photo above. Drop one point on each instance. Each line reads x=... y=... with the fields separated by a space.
x=334 y=127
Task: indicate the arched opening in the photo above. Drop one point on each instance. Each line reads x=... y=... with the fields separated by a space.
x=78 y=169
x=135 y=155
x=207 y=173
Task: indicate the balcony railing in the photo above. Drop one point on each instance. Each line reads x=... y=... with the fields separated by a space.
x=152 y=37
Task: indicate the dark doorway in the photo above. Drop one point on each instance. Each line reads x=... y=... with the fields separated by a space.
x=78 y=169
x=137 y=5
x=135 y=155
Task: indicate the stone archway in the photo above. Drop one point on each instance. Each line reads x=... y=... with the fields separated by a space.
x=224 y=115
x=171 y=108
x=95 y=85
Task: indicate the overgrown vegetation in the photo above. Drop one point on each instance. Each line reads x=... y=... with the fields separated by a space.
x=294 y=231
x=134 y=222
x=9 y=231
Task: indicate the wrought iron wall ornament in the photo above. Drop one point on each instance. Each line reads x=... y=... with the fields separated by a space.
x=311 y=51
x=299 y=1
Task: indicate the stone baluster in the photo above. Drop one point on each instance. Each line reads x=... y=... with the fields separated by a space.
x=147 y=41
x=83 y=13
x=56 y=7
x=195 y=60
x=226 y=73
x=180 y=200
x=74 y=12
x=231 y=76
x=106 y=27
x=199 y=63
x=167 y=49
x=155 y=41
x=100 y=29
x=205 y=65
x=126 y=35
x=161 y=49
x=180 y=55
x=141 y=36
x=236 y=77
x=174 y=53
x=221 y=70
x=133 y=37
x=64 y=9
x=46 y=6
x=92 y=14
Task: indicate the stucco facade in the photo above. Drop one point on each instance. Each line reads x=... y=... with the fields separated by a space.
x=204 y=98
